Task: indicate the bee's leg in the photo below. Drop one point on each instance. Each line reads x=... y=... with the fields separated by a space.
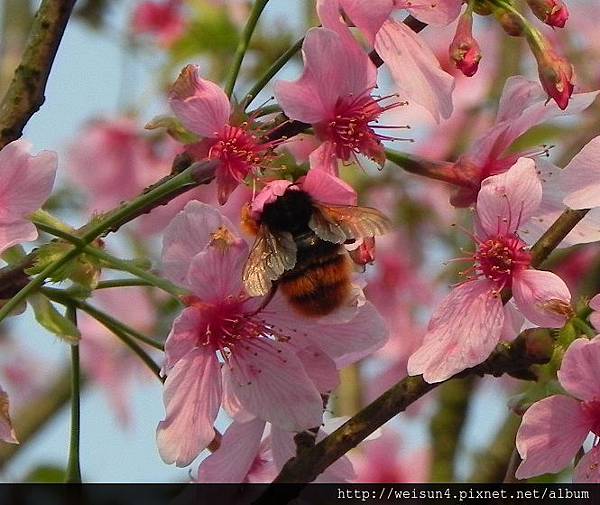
x=269 y=296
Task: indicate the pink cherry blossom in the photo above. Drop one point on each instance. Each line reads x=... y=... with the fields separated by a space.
x=25 y=184
x=334 y=95
x=204 y=109
x=413 y=66
x=255 y=451
x=523 y=105
x=275 y=364
x=113 y=160
x=580 y=179
x=470 y=321
x=553 y=429
x=574 y=187
x=105 y=360
x=7 y=433
x=163 y=19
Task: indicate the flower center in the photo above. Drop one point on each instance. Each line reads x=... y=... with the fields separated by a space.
x=351 y=130
x=500 y=257
x=227 y=323
x=238 y=150
x=591 y=410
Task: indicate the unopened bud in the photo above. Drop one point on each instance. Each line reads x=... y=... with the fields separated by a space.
x=539 y=345
x=552 y=12
x=512 y=24
x=482 y=7
x=556 y=73
x=464 y=49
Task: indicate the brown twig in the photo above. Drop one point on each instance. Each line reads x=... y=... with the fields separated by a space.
x=25 y=94
x=507 y=358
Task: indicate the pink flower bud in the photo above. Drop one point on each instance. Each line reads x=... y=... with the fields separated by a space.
x=464 y=49
x=551 y=12
x=556 y=74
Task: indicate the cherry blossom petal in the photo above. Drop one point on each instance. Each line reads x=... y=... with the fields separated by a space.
x=301 y=146
x=513 y=322
x=333 y=68
x=542 y=297
x=520 y=94
x=231 y=403
x=185 y=334
x=239 y=447
x=216 y=273
x=7 y=433
x=415 y=68
x=270 y=382
x=587 y=470
x=578 y=373
x=367 y=16
x=25 y=181
x=320 y=368
x=580 y=179
x=326 y=188
x=509 y=199
x=595 y=315
x=551 y=433
x=201 y=105
x=438 y=13
x=268 y=194
x=188 y=234
x=192 y=395
x=15 y=233
x=462 y=332
x=324 y=158
x=552 y=206
x=345 y=342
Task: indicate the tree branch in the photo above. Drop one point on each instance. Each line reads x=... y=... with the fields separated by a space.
x=25 y=94
x=514 y=358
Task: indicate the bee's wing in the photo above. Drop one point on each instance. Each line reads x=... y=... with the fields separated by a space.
x=271 y=255
x=338 y=223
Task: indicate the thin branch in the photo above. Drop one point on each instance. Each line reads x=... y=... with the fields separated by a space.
x=25 y=94
x=243 y=44
x=73 y=465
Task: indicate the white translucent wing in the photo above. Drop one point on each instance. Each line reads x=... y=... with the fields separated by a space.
x=340 y=223
x=271 y=255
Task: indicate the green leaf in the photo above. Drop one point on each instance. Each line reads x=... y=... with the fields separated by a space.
x=51 y=319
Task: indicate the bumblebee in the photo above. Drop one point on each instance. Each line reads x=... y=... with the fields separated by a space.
x=299 y=249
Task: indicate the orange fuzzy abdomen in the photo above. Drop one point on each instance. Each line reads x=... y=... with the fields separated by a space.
x=319 y=284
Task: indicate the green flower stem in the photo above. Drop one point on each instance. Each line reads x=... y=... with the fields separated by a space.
x=64 y=298
x=271 y=71
x=200 y=173
x=242 y=47
x=122 y=283
x=73 y=466
x=113 y=262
